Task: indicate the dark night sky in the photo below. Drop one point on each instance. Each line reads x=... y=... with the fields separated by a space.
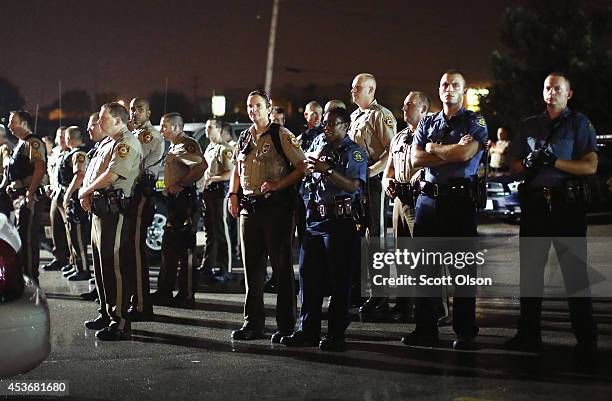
x=129 y=47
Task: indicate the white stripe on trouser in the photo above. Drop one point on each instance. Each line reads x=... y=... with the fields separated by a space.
x=227 y=237
x=138 y=259
x=117 y=268
x=82 y=248
x=189 y=273
x=381 y=215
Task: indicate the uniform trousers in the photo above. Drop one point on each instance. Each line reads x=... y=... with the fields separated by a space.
x=216 y=249
x=142 y=208
x=60 y=251
x=28 y=226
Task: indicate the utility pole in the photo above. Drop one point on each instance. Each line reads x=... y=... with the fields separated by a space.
x=271 y=46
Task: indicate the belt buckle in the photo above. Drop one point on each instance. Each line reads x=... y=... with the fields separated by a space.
x=435 y=190
x=322 y=210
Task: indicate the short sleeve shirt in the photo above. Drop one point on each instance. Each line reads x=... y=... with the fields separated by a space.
x=261 y=162
x=573 y=136
x=182 y=156
x=399 y=152
x=34 y=149
x=152 y=144
x=373 y=130
x=437 y=129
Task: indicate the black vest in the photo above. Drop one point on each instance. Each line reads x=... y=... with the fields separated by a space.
x=19 y=166
x=65 y=171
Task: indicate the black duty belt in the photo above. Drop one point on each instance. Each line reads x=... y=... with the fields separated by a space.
x=462 y=188
x=217 y=186
x=404 y=192
x=341 y=208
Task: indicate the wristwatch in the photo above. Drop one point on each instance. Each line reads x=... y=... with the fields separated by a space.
x=229 y=195
x=329 y=171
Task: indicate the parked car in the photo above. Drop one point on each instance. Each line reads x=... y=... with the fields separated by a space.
x=24 y=313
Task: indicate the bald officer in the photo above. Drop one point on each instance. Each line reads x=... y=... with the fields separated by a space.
x=107 y=188
x=372 y=128
x=143 y=203
x=185 y=165
x=25 y=173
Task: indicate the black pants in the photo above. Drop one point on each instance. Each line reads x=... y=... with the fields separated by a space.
x=28 y=226
x=564 y=226
x=60 y=250
x=446 y=217
x=112 y=248
x=267 y=233
x=216 y=249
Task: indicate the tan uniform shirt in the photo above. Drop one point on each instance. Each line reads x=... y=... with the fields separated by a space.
x=5 y=155
x=121 y=156
x=152 y=144
x=263 y=163
x=95 y=164
x=182 y=156
x=34 y=149
x=218 y=156
x=399 y=152
x=79 y=161
x=373 y=130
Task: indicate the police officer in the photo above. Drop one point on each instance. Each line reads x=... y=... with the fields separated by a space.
x=185 y=165
x=554 y=149
x=25 y=173
x=399 y=175
x=277 y=115
x=214 y=184
x=60 y=251
x=6 y=204
x=107 y=188
x=71 y=173
x=262 y=168
x=372 y=128
x=333 y=104
x=449 y=145
x=339 y=172
x=143 y=202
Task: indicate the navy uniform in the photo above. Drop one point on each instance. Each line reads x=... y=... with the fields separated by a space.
x=61 y=251
x=111 y=240
x=77 y=225
x=553 y=205
x=446 y=208
x=179 y=241
x=143 y=208
x=216 y=251
x=373 y=130
x=20 y=171
x=266 y=224
x=325 y=267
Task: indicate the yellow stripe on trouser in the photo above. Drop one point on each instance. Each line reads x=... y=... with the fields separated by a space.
x=227 y=237
x=138 y=256
x=29 y=239
x=118 y=278
x=82 y=248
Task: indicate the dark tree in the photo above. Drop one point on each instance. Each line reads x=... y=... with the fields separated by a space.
x=551 y=35
x=10 y=98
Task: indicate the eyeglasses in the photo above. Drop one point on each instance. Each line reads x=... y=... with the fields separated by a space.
x=331 y=124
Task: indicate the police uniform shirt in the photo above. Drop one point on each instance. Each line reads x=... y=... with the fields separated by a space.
x=34 y=150
x=262 y=162
x=52 y=165
x=94 y=168
x=121 y=156
x=399 y=152
x=573 y=137
x=152 y=144
x=218 y=156
x=182 y=156
x=352 y=164
x=373 y=130
x=435 y=128
x=79 y=161
x=5 y=155
x=308 y=137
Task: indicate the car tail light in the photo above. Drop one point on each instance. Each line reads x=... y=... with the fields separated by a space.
x=11 y=274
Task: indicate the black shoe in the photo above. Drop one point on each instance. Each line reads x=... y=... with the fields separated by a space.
x=524 y=343
x=112 y=333
x=79 y=276
x=375 y=305
x=98 y=323
x=465 y=344
x=135 y=315
x=70 y=272
x=332 y=343
x=66 y=268
x=161 y=298
x=182 y=301
x=270 y=286
x=53 y=265
x=445 y=321
x=586 y=347
x=278 y=336
x=90 y=296
x=417 y=339
x=92 y=281
x=246 y=334
x=300 y=339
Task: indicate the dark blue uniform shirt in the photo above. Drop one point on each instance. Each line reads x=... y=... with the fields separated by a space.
x=435 y=128
x=309 y=135
x=573 y=136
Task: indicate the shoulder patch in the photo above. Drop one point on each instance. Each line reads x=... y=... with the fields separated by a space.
x=190 y=147
x=294 y=141
x=591 y=127
x=123 y=150
x=35 y=144
x=227 y=154
x=357 y=156
x=480 y=121
x=36 y=155
x=80 y=157
x=389 y=120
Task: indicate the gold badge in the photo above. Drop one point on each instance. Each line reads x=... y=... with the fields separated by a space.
x=123 y=149
x=294 y=141
x=357 y=156
x=481 y=122
x=265 y=148
x=147 y=137
x=227 y=154
x=80 y=157
x=389 y=120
